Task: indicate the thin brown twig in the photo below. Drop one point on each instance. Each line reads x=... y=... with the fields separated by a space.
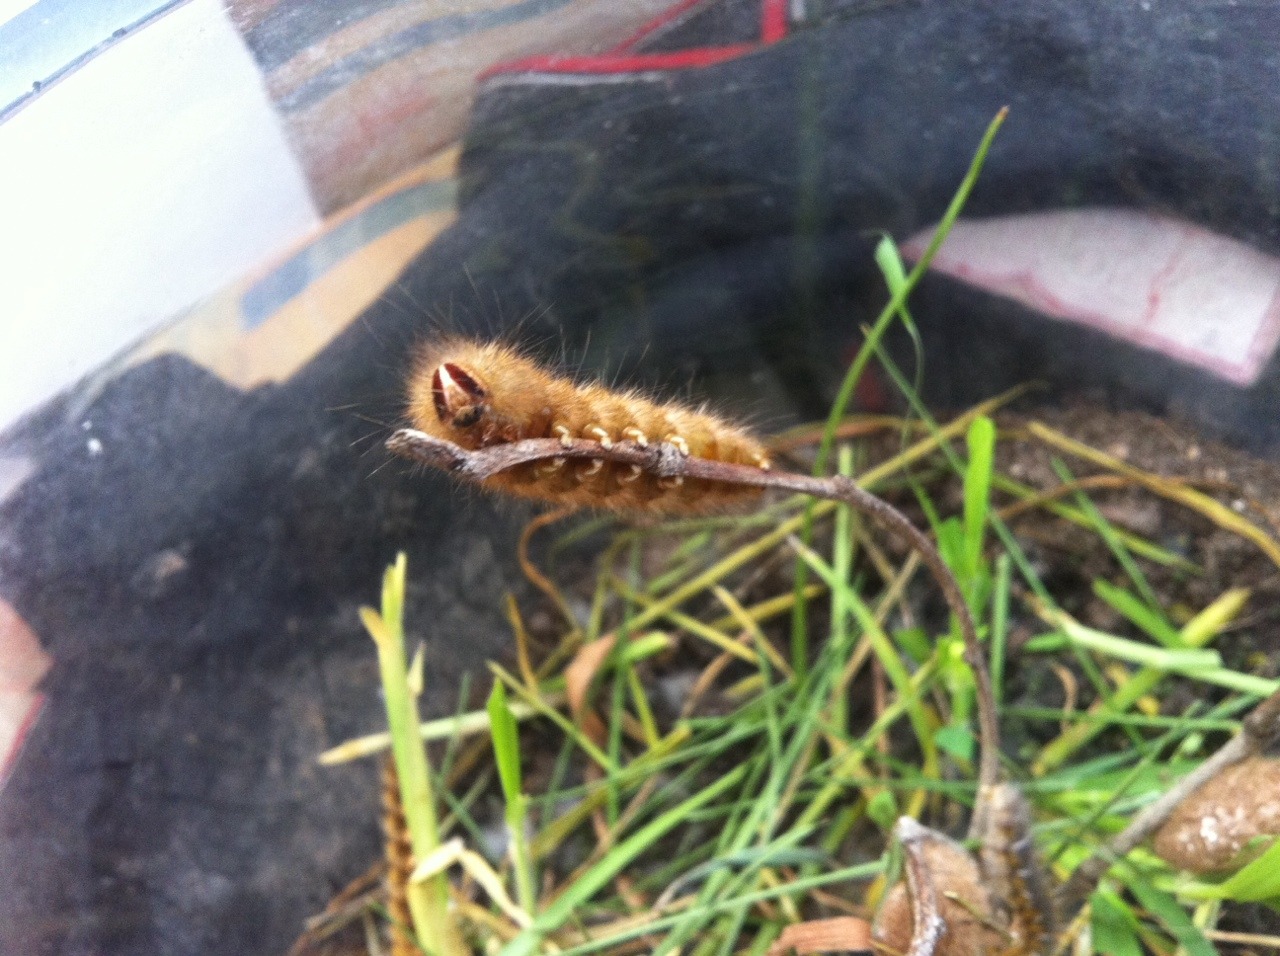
x=524 y=663
x=532 y=572
x=1090 y=483
x=664 y=460
x=352 y=900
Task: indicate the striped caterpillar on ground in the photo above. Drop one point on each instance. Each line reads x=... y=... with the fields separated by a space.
x=481 y=394
x=1015 y=877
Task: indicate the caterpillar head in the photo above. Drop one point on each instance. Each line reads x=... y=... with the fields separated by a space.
x=474 y=393
x=461 y=401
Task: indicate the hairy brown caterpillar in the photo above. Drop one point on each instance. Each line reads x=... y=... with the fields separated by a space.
x=482 y=394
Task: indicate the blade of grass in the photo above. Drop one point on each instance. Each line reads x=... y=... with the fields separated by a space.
x=1216 y=512
x=428 y=899
x=443 y=728
x=904 y=288
x=977 y=497
x=1104 y=529
x=1000 y=625
x=897 y=300
x=1197 y=632
x=842 y=547
x=1255 y=882
x=544 y=709
x=1203 y=666
x=1187 y=661
x=1166 y=909
x=582 y=890
x=1153 y=622
x=506 y=752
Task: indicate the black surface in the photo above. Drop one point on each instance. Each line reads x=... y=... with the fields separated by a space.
x=196 y=581
x=196 y=584
x=733 y=209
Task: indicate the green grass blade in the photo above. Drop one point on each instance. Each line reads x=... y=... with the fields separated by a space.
x=1174 y=918
x=897 y=300
x=1000 y=624
x=1115 y=927
x=1138 y=613
x=428 y=899
x=977 y=497
x=613 y=863
x=1255 y=882
x=506 y=742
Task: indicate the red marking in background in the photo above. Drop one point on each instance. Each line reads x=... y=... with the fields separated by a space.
x=773 y=21
x=639 y=63
x=773 y=27
x=1160 y=280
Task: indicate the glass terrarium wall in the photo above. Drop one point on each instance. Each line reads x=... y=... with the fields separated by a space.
x=226 y=225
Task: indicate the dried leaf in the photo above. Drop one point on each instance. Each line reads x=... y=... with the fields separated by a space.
x=578 y=677
x=961 y=899
x=836 y=935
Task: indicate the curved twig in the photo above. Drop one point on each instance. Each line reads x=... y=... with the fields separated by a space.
x=666 y=461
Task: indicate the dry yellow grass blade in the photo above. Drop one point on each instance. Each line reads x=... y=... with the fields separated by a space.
x=836 y=934
x=1170 y=488
x=953 y=429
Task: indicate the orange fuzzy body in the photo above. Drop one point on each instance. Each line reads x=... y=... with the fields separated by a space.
x=479 y=394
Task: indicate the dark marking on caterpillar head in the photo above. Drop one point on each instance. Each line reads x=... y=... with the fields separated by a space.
x=460 y=400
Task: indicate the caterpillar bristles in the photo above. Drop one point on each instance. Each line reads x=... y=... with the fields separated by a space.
x=482 y=394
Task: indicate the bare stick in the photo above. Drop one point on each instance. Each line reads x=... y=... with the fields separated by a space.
x=1258 y=730
x=666 y=461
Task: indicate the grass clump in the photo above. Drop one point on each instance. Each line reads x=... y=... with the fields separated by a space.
x=735 y=713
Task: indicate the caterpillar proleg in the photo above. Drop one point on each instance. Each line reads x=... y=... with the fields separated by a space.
x=481 y=394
